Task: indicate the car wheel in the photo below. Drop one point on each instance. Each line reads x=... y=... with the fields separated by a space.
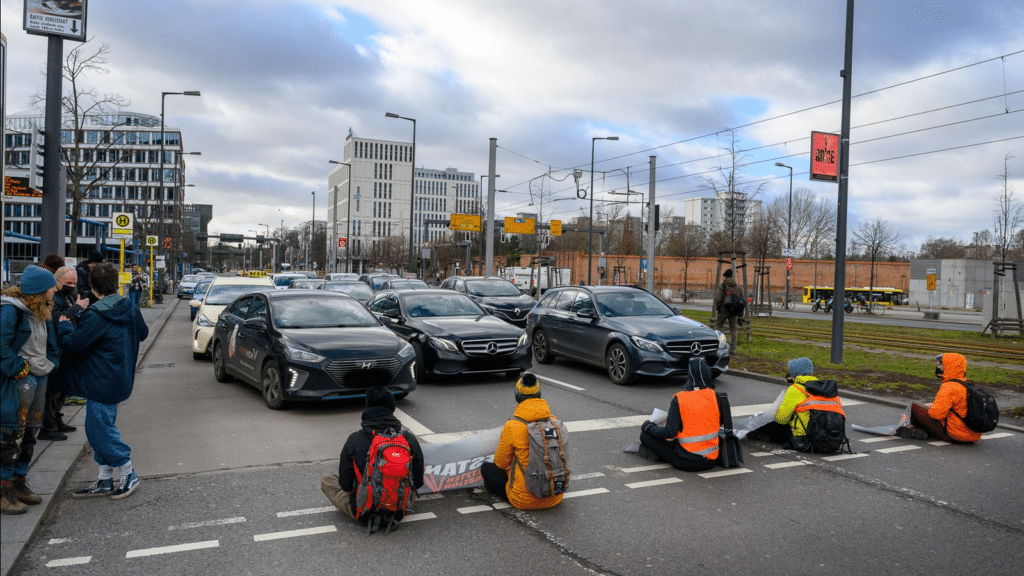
x=270 y=386
x=617 y=363
x=541 y=347
x=220 y=371
x=421 y=365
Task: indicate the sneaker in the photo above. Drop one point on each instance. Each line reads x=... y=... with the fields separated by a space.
x=51 y=434
x=911 y=433
x=19 y=486
x=97 y=488
x=62 y=427
x=9 y=503
x=126 y=486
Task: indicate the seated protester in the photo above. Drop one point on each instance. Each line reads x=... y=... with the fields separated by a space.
x=944 y=417
x=689 y=439
x=506 y=476
x=378 y=418
x=805 y=394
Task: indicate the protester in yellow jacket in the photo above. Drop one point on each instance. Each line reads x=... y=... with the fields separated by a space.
x=942 y=418
x=514 y=450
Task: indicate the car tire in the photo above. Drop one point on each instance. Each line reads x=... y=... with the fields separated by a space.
x=220 y=371
x=421 y=365
x=616 y=361
x=270 y=386
x=541 y=347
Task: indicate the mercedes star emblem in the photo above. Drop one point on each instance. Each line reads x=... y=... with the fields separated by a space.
x=695 y=348
x=492 y=348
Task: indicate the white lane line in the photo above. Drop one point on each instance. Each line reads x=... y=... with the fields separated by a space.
x=658 y=482
x=778 y=465
x=729 y=472
x=474 y=509
x=940 y=443
x=319 y=510
x=898 y=449
x=171 y=549
x=590 y=492
x=645 y=468
x=844 y=456
x=430 y=496
x=220 y=522
x=996 y=435
x=411 y=424
x=295 y=533
x=587 y=475
x=501 y=505
x=417 y=517
x=605 y=423
x=761 y=454
x=879 y=439
x=445 y=438
x=560 y=383
x=59 y=541
x=68 y=561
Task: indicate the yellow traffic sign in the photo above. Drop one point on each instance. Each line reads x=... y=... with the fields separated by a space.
x=151 y=240
x=122 y=225
x=519 y=225
x=556 y=227
x=465 y=222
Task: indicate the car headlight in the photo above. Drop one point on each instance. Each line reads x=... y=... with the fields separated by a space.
x=488 y=309
x=645 y=344
x=301 y=355
x=442 y=344
x=202 y=320
x=523 y=341
x=723 y=340
x=406 y=351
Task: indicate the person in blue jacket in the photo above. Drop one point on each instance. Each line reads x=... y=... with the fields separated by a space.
x=100 y=354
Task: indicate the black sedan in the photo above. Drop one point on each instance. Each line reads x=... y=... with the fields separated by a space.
x=451 y=334
x=497 y=296
x=309 y=345
x=628 y=331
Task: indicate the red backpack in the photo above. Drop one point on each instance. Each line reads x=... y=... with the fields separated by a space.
x=386 y=485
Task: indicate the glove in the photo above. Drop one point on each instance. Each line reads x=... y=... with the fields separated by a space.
x=646 y=426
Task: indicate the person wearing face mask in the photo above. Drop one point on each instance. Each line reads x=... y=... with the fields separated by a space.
x=64 y=304
x=943 y=418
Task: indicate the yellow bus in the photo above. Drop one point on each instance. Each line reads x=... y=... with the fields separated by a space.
x=878 y=294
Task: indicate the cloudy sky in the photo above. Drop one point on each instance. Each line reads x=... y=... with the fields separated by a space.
x=938 y=86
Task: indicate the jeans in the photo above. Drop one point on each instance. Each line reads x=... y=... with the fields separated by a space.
x=104 y=437
x=136 y=297
x=18 y=444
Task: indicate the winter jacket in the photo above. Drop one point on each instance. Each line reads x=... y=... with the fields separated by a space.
x=515 y=444
x=787 y=413
x=62 y=306
x=728 y=285
x=14 y=335
x=951 y=400
x=357 y=447
x=100 y=353
x=83 y=287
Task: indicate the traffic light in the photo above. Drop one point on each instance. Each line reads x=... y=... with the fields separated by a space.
x=600 y=271
x=37 y=159
x=167 y=243
x=504 y=237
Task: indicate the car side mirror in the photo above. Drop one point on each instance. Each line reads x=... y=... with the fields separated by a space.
x=255 y=324
x=678 y=311
x=586 y=313
x=385 y=320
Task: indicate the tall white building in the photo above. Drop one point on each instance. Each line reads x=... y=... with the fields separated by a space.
x=380 y=203
x=723 y=213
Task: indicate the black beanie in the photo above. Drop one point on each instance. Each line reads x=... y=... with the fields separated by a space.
x=95 y=257
x=727 y=273
x=380 y=397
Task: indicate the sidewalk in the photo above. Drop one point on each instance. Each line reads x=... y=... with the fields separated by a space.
x=53 y=460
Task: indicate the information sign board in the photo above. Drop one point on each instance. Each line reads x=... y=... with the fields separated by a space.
x=122 y=225
x=55 y=18
x=465 y=222
x=824 y=157
x=556 y=227
x=519 y=225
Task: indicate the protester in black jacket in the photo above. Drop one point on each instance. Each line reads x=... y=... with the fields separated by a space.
x=56 y=385
x=377 y=417
x=83 y=269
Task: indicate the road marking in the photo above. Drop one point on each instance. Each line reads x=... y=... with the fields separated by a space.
x=724 y=472
x=879 y=439
x=590 y=492
x=587 y=475
x=761 y=454
x=410 y=423
x=417 y=517
x=898 y=449
x=208 y=523
x=295 y=533
x=320 y=510
x=68 y=561
x=430 y=496
x=751 y=409
x=845 y=456
x=778 y=465
x=447 y=437
x=560 y=383
x=605 y=423
x=997 y=435
x=658 y=482
x=59 y=541
x=474 y=509
x=171 y=549
x=501 y=505
x=645 y=468
x=940 y=443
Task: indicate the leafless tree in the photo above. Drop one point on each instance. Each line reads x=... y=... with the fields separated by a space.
x=735 y=197
x=1008 y=214
x=942 y=248
x=687 y=245
x=980 y=247
x=877 y=240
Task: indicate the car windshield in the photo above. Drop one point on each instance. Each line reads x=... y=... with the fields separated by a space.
x=354 y=289
x=225 y=294
x=425 y=306
x=202 y=287
x=407 y=284
x=631 y=303
x=332 y=312
x=491 y=288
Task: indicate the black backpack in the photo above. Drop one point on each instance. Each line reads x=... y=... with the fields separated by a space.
x=982 y=413
x=826 y=431
x=733 y=303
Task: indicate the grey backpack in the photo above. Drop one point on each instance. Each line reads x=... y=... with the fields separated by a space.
x=547 y=472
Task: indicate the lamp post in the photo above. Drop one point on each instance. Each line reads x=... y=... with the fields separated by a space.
x=483 y=215
x=590 y=231
x=412 y=187
x=266 y=239
x=789 y=230
x=160 y=184
x=310 y=254
x=348 y=218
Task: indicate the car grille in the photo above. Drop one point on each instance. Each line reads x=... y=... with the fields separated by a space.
x=685 y=347
x=363 y=372
x=496 y=347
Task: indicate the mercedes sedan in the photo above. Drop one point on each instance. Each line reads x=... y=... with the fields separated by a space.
x=497 y=296
x=627 y=331
x=304 y=345
x=451 y=334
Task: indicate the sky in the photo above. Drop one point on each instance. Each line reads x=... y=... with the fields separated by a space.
x=938 y=95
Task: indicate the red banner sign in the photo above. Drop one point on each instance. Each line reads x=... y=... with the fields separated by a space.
x=824 y=157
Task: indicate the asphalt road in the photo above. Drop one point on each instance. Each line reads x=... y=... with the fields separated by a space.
x=230 y=487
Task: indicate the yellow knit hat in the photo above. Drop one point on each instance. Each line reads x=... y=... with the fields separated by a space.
x=527 y=385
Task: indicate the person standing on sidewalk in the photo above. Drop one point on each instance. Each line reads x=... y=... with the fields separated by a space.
x=101 y=353
x=56 y=385
x=28 y=353
x=135 y=288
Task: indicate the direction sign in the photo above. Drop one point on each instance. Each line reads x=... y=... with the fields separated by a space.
x=556 y=227
x=48 y=18
x=122 y=225
x=465 y=222
x=792 y=252
x=519 y=225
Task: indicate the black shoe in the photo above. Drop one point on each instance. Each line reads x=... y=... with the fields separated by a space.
x=648 y=454
x=52 y=434
x=62 y=427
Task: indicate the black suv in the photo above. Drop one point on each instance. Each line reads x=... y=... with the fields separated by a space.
x=497 y=296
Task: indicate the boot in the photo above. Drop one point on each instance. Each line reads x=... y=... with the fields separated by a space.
x=62 y=427
x=9 y=503
x=23 y=492
x=51 y=434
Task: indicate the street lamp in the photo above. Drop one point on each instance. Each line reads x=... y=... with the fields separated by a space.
x=160 y=184
x=789 y=230
x=483 y=215
x=412 y=187
x=348 y=219
x=310 y=254
x=266 y=239
x=590 y=231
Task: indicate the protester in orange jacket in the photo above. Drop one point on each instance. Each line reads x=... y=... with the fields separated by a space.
x=942 y=418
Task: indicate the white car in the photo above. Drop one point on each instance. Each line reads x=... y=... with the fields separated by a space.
x=341 y=276
x=221 y=292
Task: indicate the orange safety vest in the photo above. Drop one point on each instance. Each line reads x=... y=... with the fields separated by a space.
x=698 y=410
x=813 y=402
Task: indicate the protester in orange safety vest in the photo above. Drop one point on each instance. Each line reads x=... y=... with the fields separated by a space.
x=942 y=418
x=688 y=440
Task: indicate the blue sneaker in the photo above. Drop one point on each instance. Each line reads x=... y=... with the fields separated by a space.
x=97 y=488
x=126 y=486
